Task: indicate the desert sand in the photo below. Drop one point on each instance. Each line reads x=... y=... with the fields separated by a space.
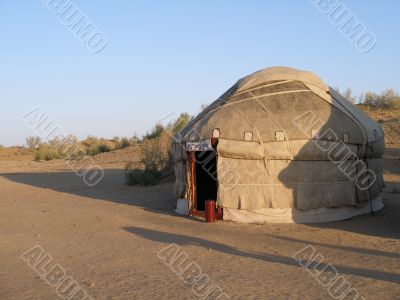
x=107 y=238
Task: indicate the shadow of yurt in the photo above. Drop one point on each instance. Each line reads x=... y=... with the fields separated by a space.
x=335 y=169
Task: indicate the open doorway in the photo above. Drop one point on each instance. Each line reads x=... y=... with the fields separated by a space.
x=206 y=178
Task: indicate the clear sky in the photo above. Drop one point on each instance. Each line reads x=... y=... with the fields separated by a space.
x=173 y=56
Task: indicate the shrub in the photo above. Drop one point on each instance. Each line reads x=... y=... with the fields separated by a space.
x=33 y=142
x=45 y=152
x=152 y=156
x=1 y=146
x=179 y=123
x=97 y=148
x=104 y=148
x=154 y=133
x=141 y=177
x=49 y=156
x=135 y=140
x=387 y=99
x=37 y=156
x=392 y=132
x=395 y=103
x=155 y=162
x=155 y=153
x=76 y=155
x=68 y=146
x=123 y=143
x=347 y=94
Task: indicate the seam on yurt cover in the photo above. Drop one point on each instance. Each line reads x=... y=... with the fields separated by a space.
x=328 y=97
x=222 y=103
x=259 y=87
x=283 y=73
x=267 y=95
x=301 y=77
x=295 y=139
x=360 y=123
x=262 y=147
x=280 y=126
x=289 y=183
x=317 y=86
x=366 y=146
x=285 y=158
x=258 y=134
x=249 y=123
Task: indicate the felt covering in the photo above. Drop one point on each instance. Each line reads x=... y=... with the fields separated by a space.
x=303 y=135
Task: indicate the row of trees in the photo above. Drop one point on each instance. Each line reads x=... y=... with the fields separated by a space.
x=387 y=99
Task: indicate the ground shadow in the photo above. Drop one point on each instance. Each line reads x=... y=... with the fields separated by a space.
x=111 y=188
x=358 y=250
x=392 y=160
x=384 y=223
x=185 y=240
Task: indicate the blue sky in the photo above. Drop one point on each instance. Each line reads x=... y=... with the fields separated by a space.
x=173 y=56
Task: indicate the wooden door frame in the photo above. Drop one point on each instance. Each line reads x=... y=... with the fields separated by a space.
x=192 y=173
x=193 y=201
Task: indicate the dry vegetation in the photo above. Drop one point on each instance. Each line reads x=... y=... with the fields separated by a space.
x=150 y=164
x=156 y=161
x=389 y=120
x=154 y=164
x=70 y=148
x=383 y=108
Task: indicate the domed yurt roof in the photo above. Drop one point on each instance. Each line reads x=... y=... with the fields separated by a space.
x=273 y=90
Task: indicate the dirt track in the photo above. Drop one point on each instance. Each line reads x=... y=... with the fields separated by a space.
x=107 y=239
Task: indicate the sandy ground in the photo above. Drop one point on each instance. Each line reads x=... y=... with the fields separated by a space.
x=107 y=239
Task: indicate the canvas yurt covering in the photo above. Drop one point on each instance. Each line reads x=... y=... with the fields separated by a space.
x=282 y=139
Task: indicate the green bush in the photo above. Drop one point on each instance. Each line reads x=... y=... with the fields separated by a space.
x=395 y=103
x=104 y=148
x=155 y=163
x=156 y=160
x=142 y=177
x=76 y=155
x=154 y=133
x=123 y=143
x=97 y=148
x=44 y=152
x=392 y=132
x=179 y=123
x=36 y=156
x=153 y=157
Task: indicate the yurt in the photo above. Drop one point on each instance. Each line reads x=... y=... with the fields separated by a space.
x=280 y=146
